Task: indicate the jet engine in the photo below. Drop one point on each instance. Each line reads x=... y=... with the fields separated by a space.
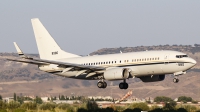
x=153 y=78
x=116 y=74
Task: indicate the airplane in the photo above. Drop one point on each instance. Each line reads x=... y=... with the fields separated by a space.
x=149 y=66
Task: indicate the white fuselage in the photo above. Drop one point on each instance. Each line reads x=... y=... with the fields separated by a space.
x=139 y=63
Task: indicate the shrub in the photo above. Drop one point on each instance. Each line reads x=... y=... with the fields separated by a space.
x=13 y=105
x=3 y=105
x=195 y=102
x=3 y=110
x=189 y=108
x=82 y=110
x=181 y=110
x=29 y=106
x=19 y=110
x=142 y=106
x=47 y=106
x=63 y=106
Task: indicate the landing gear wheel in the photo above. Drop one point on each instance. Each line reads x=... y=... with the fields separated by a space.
x=123 y=85
x=175 y=80
x=104 y=84
x=100 y=84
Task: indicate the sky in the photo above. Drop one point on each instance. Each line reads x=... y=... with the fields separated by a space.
x=84 y=26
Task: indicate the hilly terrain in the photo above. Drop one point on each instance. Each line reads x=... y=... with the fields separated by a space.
x=27 y=79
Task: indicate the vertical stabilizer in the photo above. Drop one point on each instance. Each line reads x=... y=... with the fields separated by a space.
x=47 y=47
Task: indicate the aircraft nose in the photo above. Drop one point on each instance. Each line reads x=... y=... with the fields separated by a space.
x=193 y=61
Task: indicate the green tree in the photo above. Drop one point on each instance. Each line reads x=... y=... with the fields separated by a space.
x=162 y=99
x=170 y=105
x=184 y=99
x=20 y=99
x=91 y=105
x=38 y=100
x=55 y=98
x=62 y=97
x=0 y=97
x=15 y=97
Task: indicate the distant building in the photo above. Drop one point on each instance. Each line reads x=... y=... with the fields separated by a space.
x=8 y=99
x=44 y=99
x=66 y=101
x=100 y=97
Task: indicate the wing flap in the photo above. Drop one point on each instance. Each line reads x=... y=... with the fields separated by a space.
x=94 y=68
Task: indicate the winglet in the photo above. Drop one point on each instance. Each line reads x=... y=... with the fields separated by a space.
x=19 y=51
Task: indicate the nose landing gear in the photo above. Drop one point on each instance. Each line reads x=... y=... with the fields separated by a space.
x=175 y=80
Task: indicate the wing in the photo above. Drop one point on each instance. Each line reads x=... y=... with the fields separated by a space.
x=27 y=61
x=91 y=70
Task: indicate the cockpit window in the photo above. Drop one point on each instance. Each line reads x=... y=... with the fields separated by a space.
x=181 y=56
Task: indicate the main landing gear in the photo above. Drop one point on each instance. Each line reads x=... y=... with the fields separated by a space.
x=101 y=84
x=123 y=85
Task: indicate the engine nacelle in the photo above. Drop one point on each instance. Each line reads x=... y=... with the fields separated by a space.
x=152 y=78
x=116 y=74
